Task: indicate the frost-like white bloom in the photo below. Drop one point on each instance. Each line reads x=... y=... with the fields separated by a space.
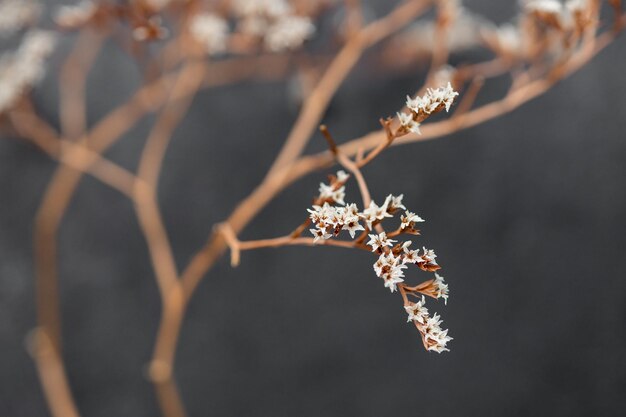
x=22 y=69
x=16 y=14
x=289 y=32
x=432 y=100
x=211 y=31
x=407 y=121
x=352 y=210
x=328 y=192
x=373 y=212
x=380 y=241
x=76 y=15
x=408 y=219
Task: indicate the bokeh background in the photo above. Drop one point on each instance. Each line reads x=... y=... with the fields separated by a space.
x=527 y=214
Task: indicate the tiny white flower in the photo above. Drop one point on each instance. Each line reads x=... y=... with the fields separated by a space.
x=414 y=127
x=448 y=96
x=392 y=281
x=442 y=288
x=352 y=210
x=405 y=119
x=408 y=219
x=379 y=241
x=319 y=234
x=429 y=256
x=417 y=311
x=374 y=212
x=394 y=202
x=415 y=104
x=352 y=225
x=342 y=176
x=328 y=192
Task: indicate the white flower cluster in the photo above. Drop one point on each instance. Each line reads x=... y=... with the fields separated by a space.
x=16 y=14
x=389 y=267
x=374 y=212
x=330 y=220
x=433 y=336
x=392 y=261
x=394 y=258
x=73 y=16
x=211 y=31
x=275 y=22
x=433 y=100
x=334 y=193
x=421 y=107
x=22 y=69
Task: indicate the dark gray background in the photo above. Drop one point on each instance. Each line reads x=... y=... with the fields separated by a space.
x=527 y=214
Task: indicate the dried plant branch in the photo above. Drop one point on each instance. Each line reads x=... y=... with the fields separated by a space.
x=173 y=92
x=52 y=374
x=72 y=83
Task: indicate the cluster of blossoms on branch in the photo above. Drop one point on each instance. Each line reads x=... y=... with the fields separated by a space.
x=273 y=25
x=543 y=31
x=274 y=22
x=332 y=215
x=422 y=107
